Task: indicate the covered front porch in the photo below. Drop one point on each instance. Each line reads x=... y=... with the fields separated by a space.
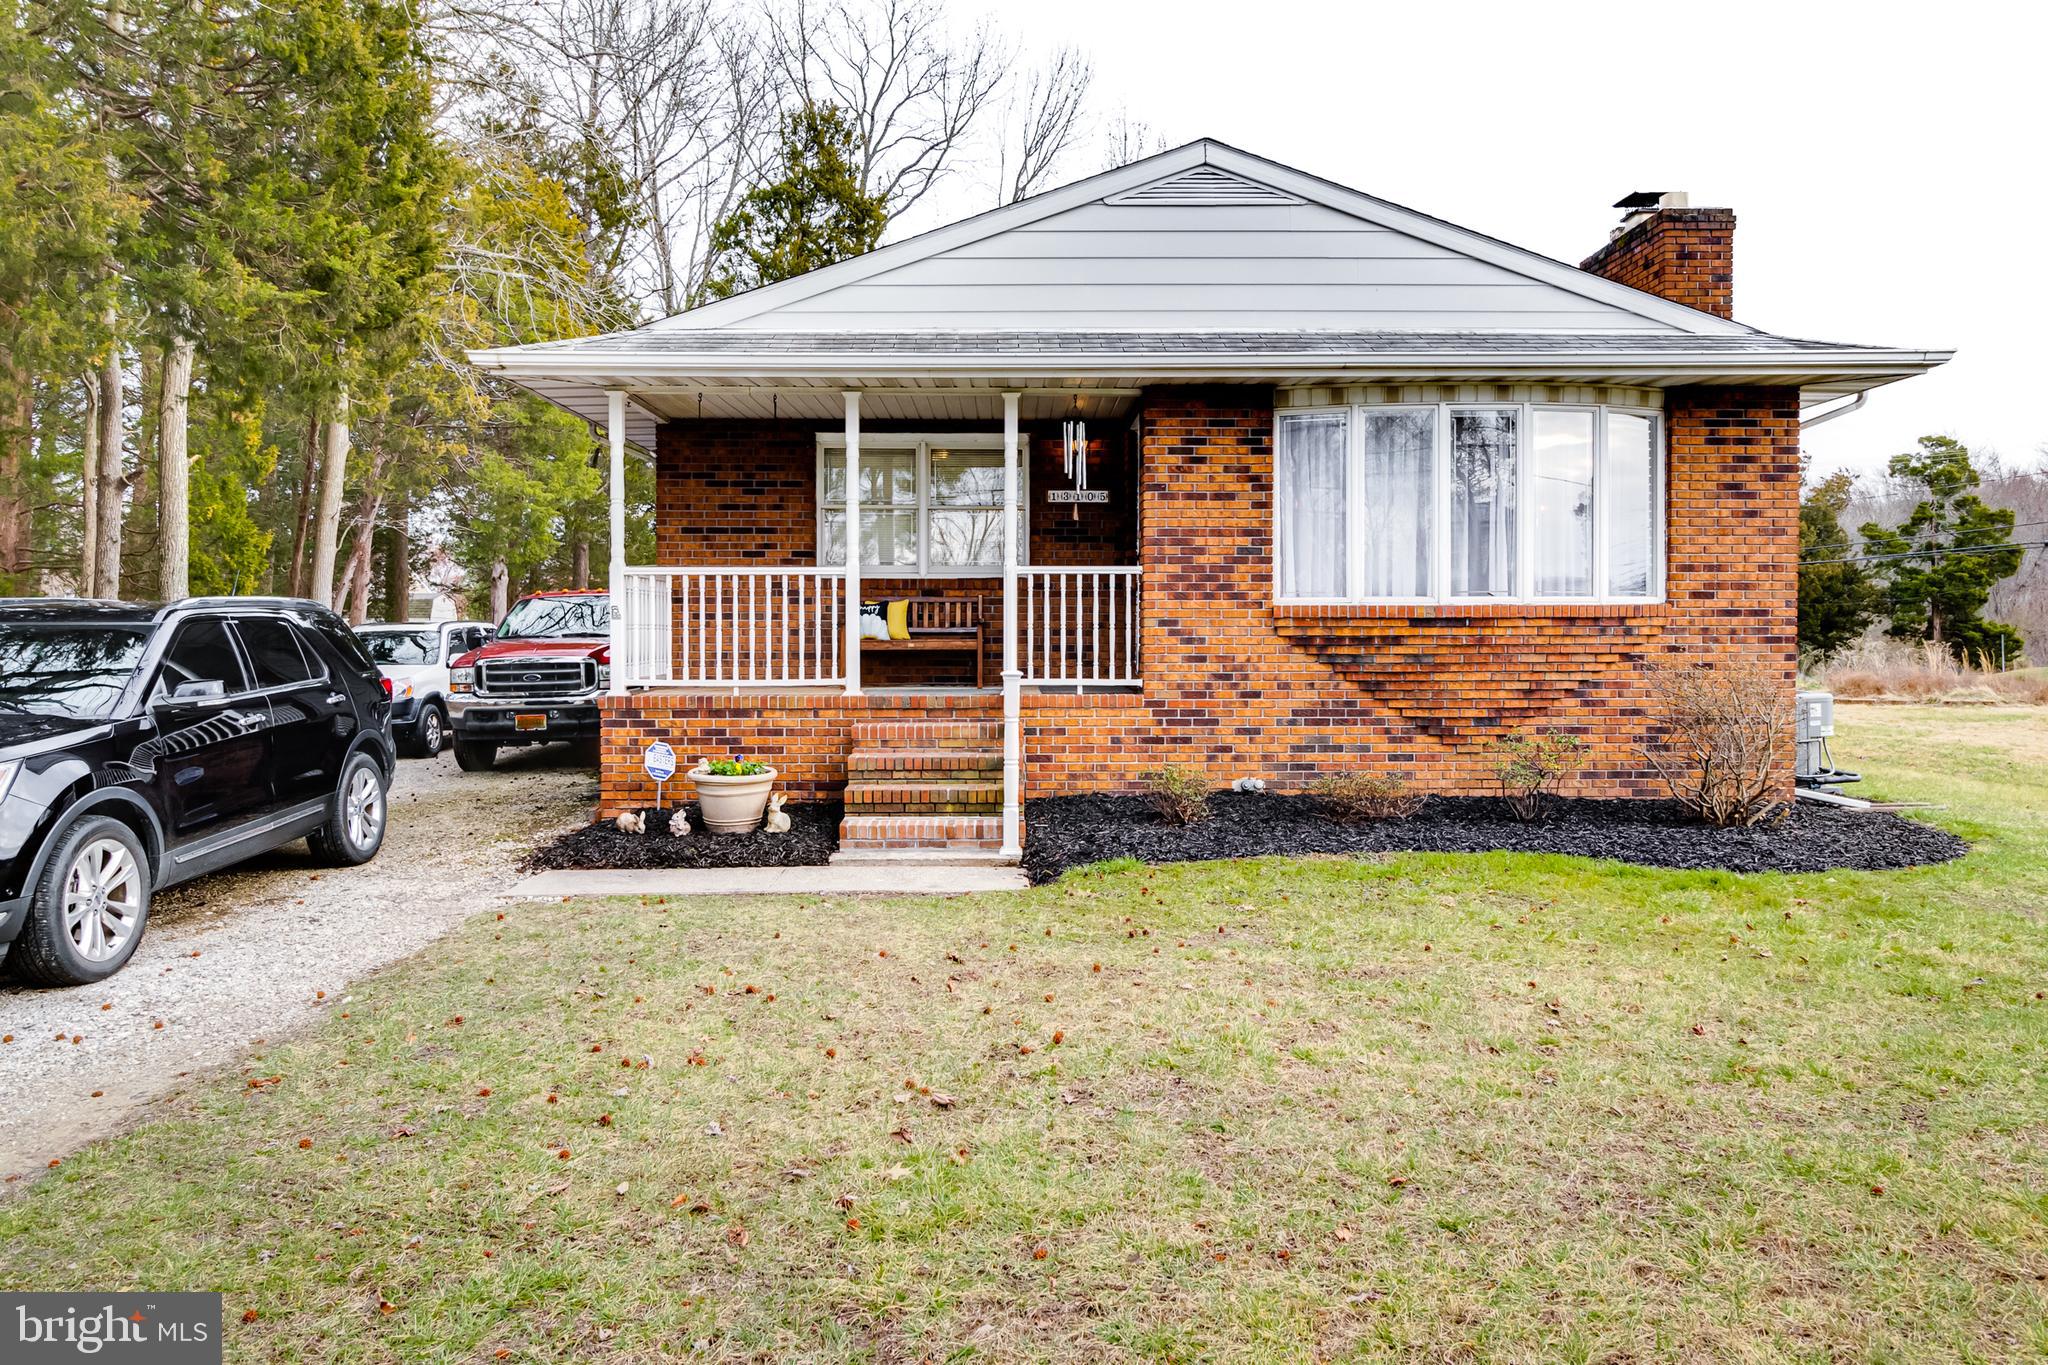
x=998 y=560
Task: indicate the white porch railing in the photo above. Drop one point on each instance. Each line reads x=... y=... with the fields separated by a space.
x=1079 y=627
x=731 y=627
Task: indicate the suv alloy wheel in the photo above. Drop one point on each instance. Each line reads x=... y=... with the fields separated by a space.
x=90 y=906
x=356 y=816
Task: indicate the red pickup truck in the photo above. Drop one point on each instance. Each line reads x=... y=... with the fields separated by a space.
x=537 y=681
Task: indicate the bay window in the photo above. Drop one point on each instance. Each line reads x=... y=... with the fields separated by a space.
x=1448 y=502
x=928 y=505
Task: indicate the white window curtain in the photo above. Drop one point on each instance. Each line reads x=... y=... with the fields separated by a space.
x=1561 y=501
x=1628 y=477
x=1437 y=502
x=1310 y=505
x=1399 y=501
x=1483 y=475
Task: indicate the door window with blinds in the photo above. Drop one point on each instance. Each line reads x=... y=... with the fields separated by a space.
x=928 y=505
x=1450 y=502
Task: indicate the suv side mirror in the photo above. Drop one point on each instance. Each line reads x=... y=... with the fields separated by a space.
x=199 y=690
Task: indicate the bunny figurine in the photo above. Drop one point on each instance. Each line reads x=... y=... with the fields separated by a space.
x=631 y=822
x=679 y=822
x=777 y=821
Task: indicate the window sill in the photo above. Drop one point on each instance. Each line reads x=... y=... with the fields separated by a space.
x=1429 y=611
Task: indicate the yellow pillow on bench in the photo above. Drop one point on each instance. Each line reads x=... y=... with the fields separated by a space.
x=899 y=619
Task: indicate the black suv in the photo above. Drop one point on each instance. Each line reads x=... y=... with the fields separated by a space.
x=141 y=746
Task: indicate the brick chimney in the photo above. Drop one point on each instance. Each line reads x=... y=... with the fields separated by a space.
x=1668 y=248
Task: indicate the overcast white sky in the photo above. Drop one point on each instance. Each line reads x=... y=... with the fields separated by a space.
x=1886 y=164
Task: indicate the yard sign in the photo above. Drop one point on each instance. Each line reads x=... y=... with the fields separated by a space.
x=660 y=762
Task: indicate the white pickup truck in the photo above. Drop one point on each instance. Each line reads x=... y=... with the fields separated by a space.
x=414 y=661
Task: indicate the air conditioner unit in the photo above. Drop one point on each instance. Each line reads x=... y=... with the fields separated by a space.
x=1812 y=728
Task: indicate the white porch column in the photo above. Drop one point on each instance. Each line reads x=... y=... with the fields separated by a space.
x=853 y=543
x=1013 y=680
x=615 y=428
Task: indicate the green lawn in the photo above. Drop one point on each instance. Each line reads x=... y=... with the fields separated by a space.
x=1428 y=1107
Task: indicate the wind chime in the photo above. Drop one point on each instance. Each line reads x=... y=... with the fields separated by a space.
x=1075 y=452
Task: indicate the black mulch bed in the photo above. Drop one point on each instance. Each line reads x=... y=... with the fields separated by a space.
x=1068 y=831
x=812 y=837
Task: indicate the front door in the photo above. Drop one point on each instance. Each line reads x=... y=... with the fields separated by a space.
x=311 y=718
x=207 y=759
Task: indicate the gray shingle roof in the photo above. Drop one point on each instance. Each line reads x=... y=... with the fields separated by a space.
x=740 y=341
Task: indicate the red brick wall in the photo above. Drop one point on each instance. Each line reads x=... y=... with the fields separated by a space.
x=805 y=735
x=1240 y=686
x=1686 y=255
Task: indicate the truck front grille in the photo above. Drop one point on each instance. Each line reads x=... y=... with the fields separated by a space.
x=536 y=678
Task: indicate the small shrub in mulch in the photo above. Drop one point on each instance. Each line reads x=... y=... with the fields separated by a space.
x=1068 y=831
x=812 y=838
x=1357 y=798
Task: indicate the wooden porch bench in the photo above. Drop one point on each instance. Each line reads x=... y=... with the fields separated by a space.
x=940 y=625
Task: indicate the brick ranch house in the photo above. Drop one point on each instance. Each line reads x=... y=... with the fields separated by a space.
x=1304 y=481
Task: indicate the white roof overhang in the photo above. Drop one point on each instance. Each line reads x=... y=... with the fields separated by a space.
x=668 y=385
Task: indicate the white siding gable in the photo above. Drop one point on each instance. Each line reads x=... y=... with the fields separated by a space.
x=1203 y=237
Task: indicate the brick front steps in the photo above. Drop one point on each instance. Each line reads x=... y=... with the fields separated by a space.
x=923 y=790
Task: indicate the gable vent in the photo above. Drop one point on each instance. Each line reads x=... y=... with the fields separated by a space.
x=1204 y=185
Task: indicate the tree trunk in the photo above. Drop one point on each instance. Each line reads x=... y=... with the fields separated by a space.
x=579 y=564
x=398 y=567
x=174 y=474
x=356 y=580
x=501 y=590
x=14 y=496
x=327 y=517
x=113 y=473
x=89 y=492
x=302 y=513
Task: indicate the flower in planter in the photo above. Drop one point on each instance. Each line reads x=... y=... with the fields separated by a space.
x=732 y=767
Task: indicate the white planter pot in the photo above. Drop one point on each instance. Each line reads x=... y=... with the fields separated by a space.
x=731 y=805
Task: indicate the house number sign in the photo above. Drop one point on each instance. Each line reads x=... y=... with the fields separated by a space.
x=1067 y=495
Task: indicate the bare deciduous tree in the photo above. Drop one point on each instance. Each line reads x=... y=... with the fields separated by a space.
x=676 y=94
x=912 y=91
x=1042 y=123
x=1126 y=139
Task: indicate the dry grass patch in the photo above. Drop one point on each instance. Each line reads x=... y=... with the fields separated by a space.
x=1895 y=670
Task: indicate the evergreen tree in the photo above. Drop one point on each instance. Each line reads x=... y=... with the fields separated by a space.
x=1946 y=556
x=813 y=214
x=1838 y=597
x=60 y=215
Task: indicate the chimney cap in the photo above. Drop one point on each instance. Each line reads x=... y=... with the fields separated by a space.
x=1642 y=201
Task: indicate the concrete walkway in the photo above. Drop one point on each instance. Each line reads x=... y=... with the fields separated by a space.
x=841 y=879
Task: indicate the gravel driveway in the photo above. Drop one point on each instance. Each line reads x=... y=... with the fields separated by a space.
x=234 y=960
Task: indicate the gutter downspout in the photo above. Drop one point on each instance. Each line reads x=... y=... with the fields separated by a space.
x=1832 y=413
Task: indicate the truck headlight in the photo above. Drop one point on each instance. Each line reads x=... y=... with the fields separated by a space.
x=604 y=675
x=461 y=679
x=7 y=772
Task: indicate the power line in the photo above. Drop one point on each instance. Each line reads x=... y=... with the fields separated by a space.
x=1931 y=554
